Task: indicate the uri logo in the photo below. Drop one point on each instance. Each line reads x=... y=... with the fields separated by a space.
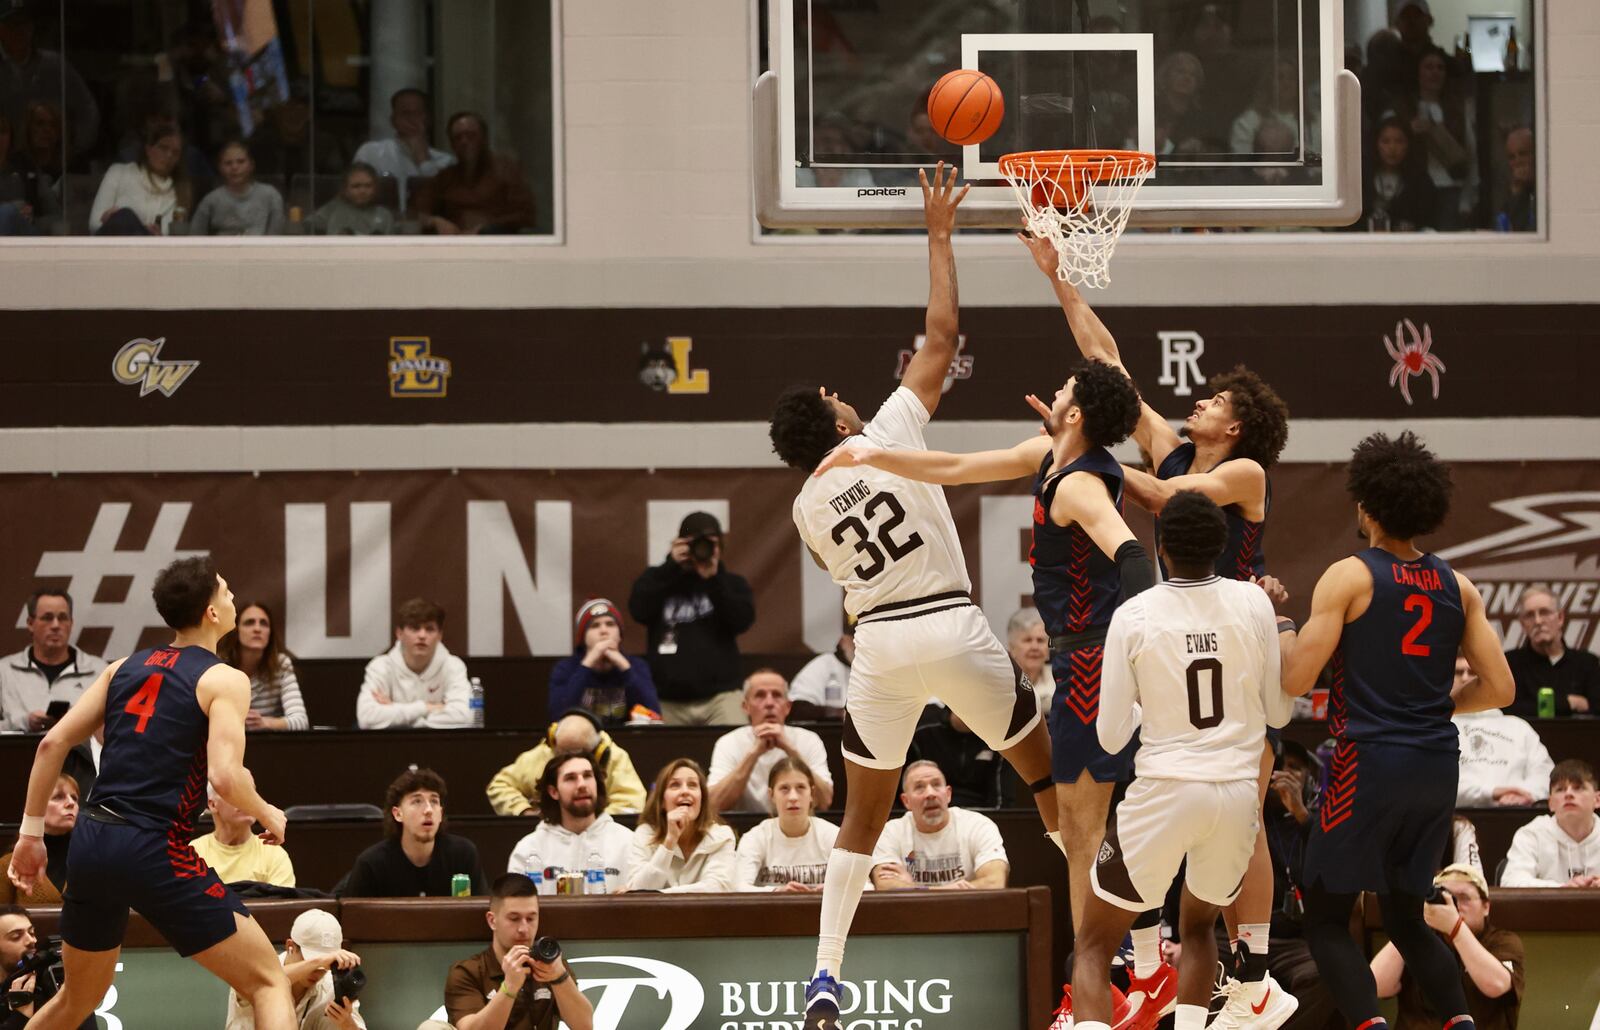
x=139 y=363
x=413 y=370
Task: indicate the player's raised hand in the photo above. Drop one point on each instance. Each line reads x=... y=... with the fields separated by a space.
x=852 y=452
x=274 y=825
x=1277 y=593
x=1043 y=251
x=27 y=863
x=940 y=199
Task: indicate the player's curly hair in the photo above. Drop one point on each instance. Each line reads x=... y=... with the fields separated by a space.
x=1109 y=400
x=1262 y=414
x=802 y=428
x=1193 y=530
x=1400 y=484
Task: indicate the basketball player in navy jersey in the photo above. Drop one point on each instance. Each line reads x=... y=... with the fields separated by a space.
x=1391 y=619
x=173 y=717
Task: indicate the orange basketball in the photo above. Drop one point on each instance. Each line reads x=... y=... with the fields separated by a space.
x=965 y=107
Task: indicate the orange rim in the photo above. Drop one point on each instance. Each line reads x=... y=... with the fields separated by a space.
x=1098 y=165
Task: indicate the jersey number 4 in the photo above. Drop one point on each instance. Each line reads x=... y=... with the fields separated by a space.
x=143 y=701
x=1211 y=668
x=876 y=555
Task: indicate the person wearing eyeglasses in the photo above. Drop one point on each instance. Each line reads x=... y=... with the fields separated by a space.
x=48 y=671
x=1545 y=660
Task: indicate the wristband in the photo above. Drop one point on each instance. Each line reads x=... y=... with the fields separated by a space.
x=507 y=991
x=566 y=974
x=32 y=826
x=1460 y=922
x=1287 y=625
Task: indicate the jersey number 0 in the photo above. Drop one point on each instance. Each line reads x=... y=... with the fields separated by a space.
x=877 y=560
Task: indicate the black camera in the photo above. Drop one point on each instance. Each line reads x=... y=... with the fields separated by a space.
x=545 y=949
x=703 y=548
x=1436 y=896
x=348 y=983
x=45 y=964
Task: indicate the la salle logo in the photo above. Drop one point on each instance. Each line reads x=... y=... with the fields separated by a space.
x=138 y=363
x=414 y=371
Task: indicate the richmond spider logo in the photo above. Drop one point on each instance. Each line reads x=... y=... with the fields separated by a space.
x=1412 y=357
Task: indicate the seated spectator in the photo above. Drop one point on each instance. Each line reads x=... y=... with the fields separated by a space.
x=235 y=852
x=935 y=845
x=1029 y=646
x=975 y=772
x=1503 y=762
x=253 y=649
x=504 y=986
x=145 y=196
x=1182 y=115
x=681 y=845
x=1490 y=958
x=417 y=683
x=1544 y=660
x=409 y=154
x=1440 y=117
x=515 y=789
x=743 y=758
x=416 y=858
x=817 y=692
x=1520 y=212
x=355 y=211
x=49 y=670
x=482 y=192
x=240 y=206
x=314 y=948
x=598 y=678
x=1397 y=196
x=60 y=816
x=30 y=74
x=694 y=610
x=788 y=852
x=1276 y=98
x=1561 y=849
x=575 y=834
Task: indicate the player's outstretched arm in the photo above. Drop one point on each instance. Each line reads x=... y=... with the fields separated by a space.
x=925 y=375
x=1243 y=481
x=224 y=695
x=942 y=467
x=1494 y=687
x=1338 y=588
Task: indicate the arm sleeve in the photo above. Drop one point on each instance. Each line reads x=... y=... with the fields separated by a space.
x=717 y=875
x=1522 y=861
x=649 y=592
x=461 y=997
x=1464 y=844
x=641 y=686
x=568 y=680
x=522 y=855
x=816 y=755
x=1118 y=688
x=281 y=870
x=1536 y=771
x=106 y=197
x=474 y=862
x=370 y=715
x=200 y=221
x=987 y=844
x=624 y=789
x=723 y=759
x=275 y=213
x=649 y=864
x=15 y=713
x=732 y=603
x=514 y=787
x=888 y=847
x=750 y=855
x=810 y=684
x=360 y=882
x=457 y=710
x=294 y=706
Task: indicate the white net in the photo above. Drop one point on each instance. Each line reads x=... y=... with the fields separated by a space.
x=1079 y=201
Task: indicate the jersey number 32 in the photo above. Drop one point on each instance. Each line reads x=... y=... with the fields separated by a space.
x=886 y=549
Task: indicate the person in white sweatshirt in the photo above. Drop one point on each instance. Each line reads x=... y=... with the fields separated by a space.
x=417 y=683
x=1503 y=761
x=788 y=852
x=681 y=845
x=1561 y=849
x=574 y=834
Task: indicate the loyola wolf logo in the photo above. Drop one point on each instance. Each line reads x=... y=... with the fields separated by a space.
x=139 y=363
x=413 y=370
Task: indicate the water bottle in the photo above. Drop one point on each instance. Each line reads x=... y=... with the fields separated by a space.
x=594 y=874
x=476 y=704
x=537 y=876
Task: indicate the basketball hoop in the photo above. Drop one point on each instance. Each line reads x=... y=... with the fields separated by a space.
x=1079 y=200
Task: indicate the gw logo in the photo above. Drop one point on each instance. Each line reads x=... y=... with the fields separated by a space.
x=413 y=370
x=881 y=191
x=139 y=362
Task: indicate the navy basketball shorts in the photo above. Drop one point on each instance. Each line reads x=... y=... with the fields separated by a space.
x=112 y=867
x=1384 y=820
x=1074 y=740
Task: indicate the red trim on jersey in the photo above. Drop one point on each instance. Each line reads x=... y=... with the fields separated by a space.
x=1083 y=689
x=186 y=863
x=1080 y=604
x=1338 y=802
x=1244 y=565
x=1338 y=704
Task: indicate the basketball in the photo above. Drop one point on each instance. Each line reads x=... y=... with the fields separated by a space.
x=965 y=107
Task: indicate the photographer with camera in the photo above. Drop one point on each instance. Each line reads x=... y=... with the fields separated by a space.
x=695 y=609
x=31 y=975
x=520 y=981
x=324 y=979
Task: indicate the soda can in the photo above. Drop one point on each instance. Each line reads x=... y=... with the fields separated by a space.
x=1547 y=703
x=460 y=886
x=570 y=883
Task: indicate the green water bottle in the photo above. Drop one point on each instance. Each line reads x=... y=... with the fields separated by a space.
x=460 y=886
x=1547 y=703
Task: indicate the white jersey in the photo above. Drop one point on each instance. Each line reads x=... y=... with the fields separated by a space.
x=1195 y=664
x=883 y=538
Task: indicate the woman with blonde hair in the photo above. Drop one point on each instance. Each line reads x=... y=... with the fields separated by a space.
x=681 y=845
x=60 y=816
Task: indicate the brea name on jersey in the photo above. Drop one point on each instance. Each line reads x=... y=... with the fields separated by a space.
x=1411 y=576
x=1201 y=643
x=850 y=498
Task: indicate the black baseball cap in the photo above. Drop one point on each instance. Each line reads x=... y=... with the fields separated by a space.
x=699 y=523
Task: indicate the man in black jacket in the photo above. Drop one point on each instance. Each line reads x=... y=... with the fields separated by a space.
x=1545 y=660
x=695 y=610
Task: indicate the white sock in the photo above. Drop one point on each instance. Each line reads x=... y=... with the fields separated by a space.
x=841 y=893
x=1055 y=838
x=1146 y=951
x=1255 y=936
x=1189 y=1017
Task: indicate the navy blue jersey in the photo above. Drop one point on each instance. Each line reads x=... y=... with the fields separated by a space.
x=153 y=768
x=1075 y=585
x=1246 y=553
x=1393 y=669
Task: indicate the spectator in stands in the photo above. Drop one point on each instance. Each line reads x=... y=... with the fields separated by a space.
x=1520 y=212
x=1029 y=646
x=504 y=987
x=1397 y=196
x=355 y=211
x=19 y=184
x=410 y=153
x=314 y=948
x=598 y=677
x=1490 y=958
x=1413 y=23
x=241 y=206
x=1387 y=74
x=974 y=772
x=575 y=833
x=694 y=610
x=417 y=683
x=788 y=852
x=1503 y=762
x=60 y=817
x=145 y=196
x=283 y=142
x=743 y=758
x=482 y=193
x=935 y=845
x=29 y=74
x=416 y=858
x=253 y=649
x=18 y=941
x=1227 y=69
x=1544 y=660
x=235 y=852
x=1440 y=117
x=817 y=692
x=1276 y=98
x=515 y=789
x=681 y=845
x=1182 y=115
x=49 y=670
x=1561 y=849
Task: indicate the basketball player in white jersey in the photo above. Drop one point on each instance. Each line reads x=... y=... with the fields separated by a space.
x=1194 y=664
x=891 y=543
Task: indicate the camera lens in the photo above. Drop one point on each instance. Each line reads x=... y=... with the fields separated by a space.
x=702 y=548
x=546 y=949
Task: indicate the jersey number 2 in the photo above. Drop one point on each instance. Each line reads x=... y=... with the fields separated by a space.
x=864 y=545
x=1424 y=604
x=1192 y=674
x=143 y=701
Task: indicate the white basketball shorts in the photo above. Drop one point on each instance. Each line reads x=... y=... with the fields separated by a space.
x=1161 y=821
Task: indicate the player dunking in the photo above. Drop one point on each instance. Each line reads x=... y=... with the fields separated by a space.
x=173 y=717
x=1233 y=438
x=892 y=545
x=1391 y=619
x=1199 y=655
